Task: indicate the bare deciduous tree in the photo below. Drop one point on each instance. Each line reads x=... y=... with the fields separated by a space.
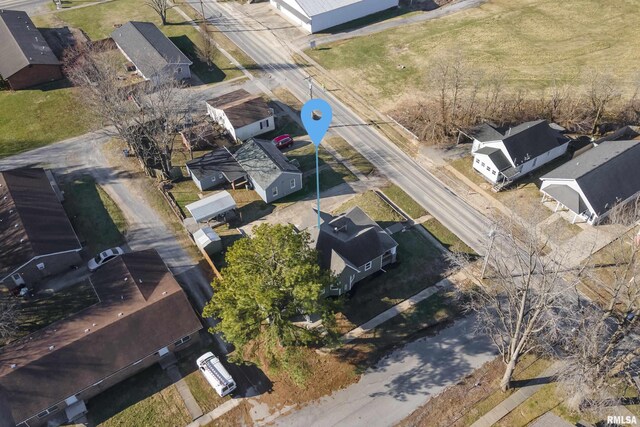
x=161 y=7
x=522 y=304
x=8 y=317
x=146 y=115
x=601 y=91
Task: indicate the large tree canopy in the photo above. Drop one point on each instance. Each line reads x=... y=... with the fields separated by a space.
x=269 y=279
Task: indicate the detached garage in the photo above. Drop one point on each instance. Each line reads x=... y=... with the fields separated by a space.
x=318 y=15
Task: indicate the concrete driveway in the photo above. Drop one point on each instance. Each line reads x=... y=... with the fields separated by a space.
x=400 y=383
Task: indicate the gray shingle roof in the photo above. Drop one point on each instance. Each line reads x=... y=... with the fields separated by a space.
x=147 y=47
x=217 y=161
x=241 y=107
x=351 y=239
x=606 y=174
x=32 y=219
x=263 y=161
x=525 y=141
x=21 y=44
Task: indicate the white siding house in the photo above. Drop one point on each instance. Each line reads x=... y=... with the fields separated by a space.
x=591 y=184
x=502 y=156
x=314 y=16
x=243 y=115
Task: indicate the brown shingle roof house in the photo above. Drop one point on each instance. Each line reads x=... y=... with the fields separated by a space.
x=36 y=236
x=242 y=114
x=25 y=56
x=141 y=316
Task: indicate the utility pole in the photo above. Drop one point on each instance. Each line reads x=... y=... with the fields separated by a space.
x=310 y=87
x=492 y=236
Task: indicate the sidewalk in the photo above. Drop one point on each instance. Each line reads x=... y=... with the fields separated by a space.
x=405 y=305
x=515 y=400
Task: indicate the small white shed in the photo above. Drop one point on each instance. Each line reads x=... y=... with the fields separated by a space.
x=208 y=240
x=211 y=207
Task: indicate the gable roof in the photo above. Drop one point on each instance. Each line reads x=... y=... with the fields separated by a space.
x=147 y=47
x=98 y=341
x=32 y=220
x=241 y=107
x=525 y=141
x=350 y=239
x=217 y=161
x=21 y=44
x=263 y=161
x=606 y=174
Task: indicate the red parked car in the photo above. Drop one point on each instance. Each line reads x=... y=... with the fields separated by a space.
x=283 y=141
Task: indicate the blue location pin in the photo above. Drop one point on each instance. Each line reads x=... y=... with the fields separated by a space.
x=317 y=129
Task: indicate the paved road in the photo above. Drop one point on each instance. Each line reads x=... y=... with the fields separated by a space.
x=29 y=6
x=275 y=57
x=401 y=382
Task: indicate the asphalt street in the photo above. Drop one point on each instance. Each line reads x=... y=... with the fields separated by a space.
x=275 y=57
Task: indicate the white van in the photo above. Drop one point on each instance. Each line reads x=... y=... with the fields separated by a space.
x=216 y=374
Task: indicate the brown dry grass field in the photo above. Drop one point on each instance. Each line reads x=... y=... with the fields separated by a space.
x=532 y=42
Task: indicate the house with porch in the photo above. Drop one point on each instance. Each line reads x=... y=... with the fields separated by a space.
x=351 y=245
x=142 y=316
x=591 y=184
x=504 y=155
x=37 y=239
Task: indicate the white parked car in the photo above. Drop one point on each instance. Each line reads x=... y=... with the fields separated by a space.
x=103 y=257
x=217 y=376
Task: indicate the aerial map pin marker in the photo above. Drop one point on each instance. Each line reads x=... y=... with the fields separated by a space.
x=317 y=127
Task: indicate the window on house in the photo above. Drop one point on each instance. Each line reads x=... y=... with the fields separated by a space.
x=483 y=165
x=293 y=183
x=488 y=168
x=368 y=266
x=477 y=160
x=534 y=162
x=493 y=172
x=264 y=124
x=16 y=276
x=275 y=191
x=182 y=340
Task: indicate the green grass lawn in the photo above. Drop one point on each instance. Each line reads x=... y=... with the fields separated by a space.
x=98 y=221
x=36 y=313
x=374 y=206
x=551 y=41
x=148 y=398
x=36 y=117
x=404 y=201
x=446 y=237
x=351 y=155
x=419 y=266
x=306 y=156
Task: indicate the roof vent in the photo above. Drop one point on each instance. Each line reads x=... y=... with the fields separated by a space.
x=139 y=280
x=51 y=347
x=120 y=314
x=126 y=278
x=164 y=292
x=341 y=228
x=15 y=226
x=93 y=324
x=86 y=331
x=13 y=366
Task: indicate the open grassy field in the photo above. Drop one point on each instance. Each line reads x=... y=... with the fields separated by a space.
x=532 y=42
x=36 y=117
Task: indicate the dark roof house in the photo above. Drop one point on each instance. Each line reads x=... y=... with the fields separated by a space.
x=243 y=115
x=504 y=154
x=352 y=246
x=153 y=54
x=594 y=182
x=25 y=57
x=215 y=168
x=33 y=223
x=76 y=358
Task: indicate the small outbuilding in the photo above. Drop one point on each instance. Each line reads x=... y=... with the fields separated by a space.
x=26 y=59
x=242 y=114
x=208 y=240
x=216 y=207
x=154 y=55
x=314 y=16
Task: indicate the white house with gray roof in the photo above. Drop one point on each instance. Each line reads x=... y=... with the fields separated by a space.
x=317 y=15
x=269 y=171
x=503 y=155
x=594 y=182
x=154 y=55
